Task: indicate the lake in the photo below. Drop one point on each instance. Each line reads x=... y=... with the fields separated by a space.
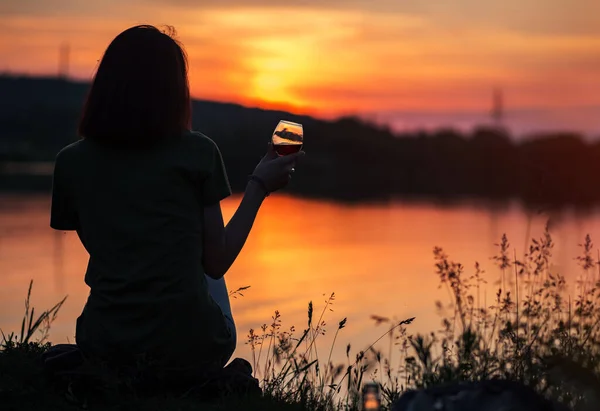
x=377 y=259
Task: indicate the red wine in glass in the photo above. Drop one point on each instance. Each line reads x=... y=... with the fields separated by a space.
x=287 y=149
x=288 y=138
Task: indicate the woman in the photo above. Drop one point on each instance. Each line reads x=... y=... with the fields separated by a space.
x=143 y=193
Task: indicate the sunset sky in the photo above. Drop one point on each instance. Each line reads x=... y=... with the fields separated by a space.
x=332 y=57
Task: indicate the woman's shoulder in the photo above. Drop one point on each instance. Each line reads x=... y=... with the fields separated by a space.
x=70 y=150
x=198 y=140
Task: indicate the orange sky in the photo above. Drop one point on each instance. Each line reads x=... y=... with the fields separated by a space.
x=334 y=56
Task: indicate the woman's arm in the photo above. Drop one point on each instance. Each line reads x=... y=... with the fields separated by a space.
x=222 y=244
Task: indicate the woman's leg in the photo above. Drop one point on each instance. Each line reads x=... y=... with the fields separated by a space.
x=219 y=293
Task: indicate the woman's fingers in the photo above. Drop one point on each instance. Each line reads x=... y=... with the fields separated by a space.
x=271 y=153
x=290 y=158
x=288 y=163
x=279 y=169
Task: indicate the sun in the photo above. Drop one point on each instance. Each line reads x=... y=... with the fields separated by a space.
x=280 y=66
x=270 y=88
x=276 y=58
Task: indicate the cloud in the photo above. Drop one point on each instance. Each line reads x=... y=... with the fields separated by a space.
x=532 y=16
x=338 y=54
x=63 y=8
x=410 y=95
x=576 y=17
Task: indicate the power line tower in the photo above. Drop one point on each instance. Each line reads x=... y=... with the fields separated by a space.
x=498 y=107
x=63 y=60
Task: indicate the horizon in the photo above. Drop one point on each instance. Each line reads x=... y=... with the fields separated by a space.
x=521 y=124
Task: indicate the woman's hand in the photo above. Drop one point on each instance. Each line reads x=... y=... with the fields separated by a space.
x=274 y=171
x=223 y=244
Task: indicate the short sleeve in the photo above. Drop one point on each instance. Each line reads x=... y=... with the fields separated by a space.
x=215 y=186
x=62 y=212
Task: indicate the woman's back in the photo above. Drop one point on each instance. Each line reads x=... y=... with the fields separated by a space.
x=143 y=193
x=139 y=215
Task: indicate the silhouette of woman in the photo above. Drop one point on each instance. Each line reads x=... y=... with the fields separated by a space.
x=143 y=193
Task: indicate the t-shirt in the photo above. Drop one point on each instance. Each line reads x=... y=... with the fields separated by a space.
x=139 y=214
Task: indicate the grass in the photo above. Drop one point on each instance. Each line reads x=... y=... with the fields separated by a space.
x=532 y=332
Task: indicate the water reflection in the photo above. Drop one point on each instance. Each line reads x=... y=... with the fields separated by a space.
x=58 y=261
x=377 y=259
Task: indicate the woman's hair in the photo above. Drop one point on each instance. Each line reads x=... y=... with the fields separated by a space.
x=140 y=93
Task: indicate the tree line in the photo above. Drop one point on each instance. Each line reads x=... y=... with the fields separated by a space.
x=347 y=159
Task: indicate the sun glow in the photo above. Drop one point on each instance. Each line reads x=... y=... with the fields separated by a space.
x=278 y=68
x=281 y=51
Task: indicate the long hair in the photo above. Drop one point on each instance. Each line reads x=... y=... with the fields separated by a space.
x=140 y=93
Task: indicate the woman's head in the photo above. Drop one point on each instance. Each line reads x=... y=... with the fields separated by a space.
x=140 y=93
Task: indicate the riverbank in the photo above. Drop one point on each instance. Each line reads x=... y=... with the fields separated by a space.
x=23 y=181
x=23 y=387
x=532 y=333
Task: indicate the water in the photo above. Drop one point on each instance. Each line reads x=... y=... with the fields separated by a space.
x=377 y=260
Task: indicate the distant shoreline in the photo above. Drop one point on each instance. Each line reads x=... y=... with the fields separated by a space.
x=42 y=185
x=349 y=160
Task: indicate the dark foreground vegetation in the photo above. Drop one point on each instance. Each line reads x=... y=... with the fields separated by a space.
x=540 y=330
x=348 y=160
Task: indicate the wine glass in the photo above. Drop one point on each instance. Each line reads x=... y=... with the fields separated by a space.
x=287 y=138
